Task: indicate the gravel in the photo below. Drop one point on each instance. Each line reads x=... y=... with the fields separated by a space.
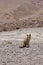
x=11 y=54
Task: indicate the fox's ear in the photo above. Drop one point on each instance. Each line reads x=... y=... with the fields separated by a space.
x=27 y=35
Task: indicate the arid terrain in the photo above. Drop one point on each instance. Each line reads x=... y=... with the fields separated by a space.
x=17 y=19
x=11 y=54
x=16 y=14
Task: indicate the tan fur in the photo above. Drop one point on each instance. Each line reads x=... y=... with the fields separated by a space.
x=26 y=41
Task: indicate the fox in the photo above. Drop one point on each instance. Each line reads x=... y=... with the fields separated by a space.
x=25 y=42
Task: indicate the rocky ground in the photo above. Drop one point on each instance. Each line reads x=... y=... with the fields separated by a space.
x=11 y=54
x=20 y=14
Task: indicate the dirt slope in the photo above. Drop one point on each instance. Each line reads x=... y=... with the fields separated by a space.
x=20 y=14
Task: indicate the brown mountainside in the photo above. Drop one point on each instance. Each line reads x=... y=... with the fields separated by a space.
x=15 y=14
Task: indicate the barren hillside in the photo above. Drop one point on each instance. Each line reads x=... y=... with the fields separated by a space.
x=20 y=14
